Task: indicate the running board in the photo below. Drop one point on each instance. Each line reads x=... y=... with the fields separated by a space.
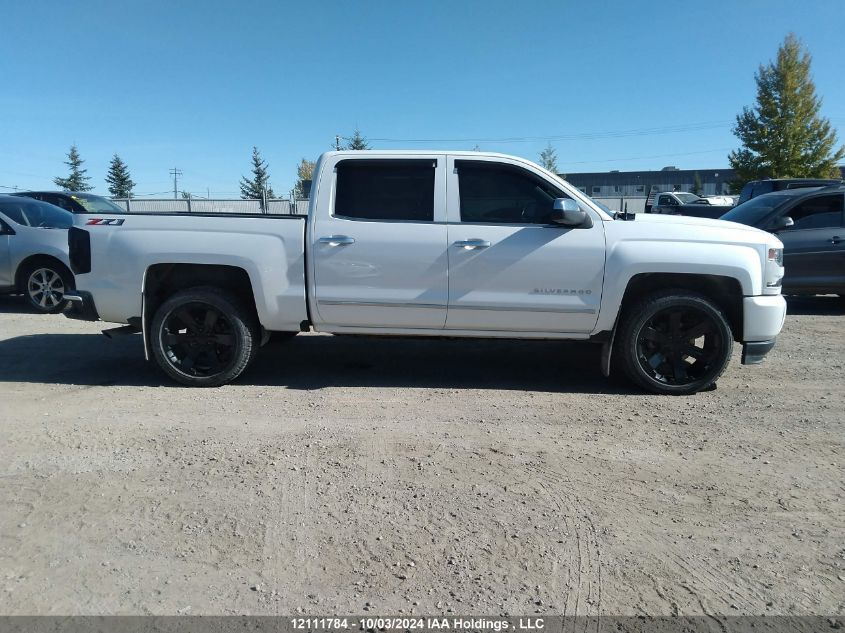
x=121 y=331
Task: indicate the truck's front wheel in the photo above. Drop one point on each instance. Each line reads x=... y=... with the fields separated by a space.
x=674 y=342
x=203 y=337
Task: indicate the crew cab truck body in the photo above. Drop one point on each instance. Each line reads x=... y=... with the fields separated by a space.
x=436 y=244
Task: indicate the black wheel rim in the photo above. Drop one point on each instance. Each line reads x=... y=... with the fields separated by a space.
x=198 y=340
x=679 y=346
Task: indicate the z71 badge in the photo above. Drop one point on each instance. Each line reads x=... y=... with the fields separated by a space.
x=103 y=221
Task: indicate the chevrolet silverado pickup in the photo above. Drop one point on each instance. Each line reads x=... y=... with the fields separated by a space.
x=427 y=243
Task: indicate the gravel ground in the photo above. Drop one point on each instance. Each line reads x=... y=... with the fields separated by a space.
x=346 y=474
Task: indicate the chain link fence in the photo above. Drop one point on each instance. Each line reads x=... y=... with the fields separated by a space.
x=202 y=205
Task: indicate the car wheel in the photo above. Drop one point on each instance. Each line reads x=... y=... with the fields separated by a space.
x=44 y=286
x=203 y=337
x=674 y=342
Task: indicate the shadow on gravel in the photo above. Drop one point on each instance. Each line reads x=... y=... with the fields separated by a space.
x=14 y=305
x=828 y=305
x=314 y=362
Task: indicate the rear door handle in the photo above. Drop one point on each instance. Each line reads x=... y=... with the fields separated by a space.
x=336 y=240
x=473 y=243
x=836 y=240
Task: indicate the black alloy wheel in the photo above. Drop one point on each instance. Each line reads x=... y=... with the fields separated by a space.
x=678 y=345
x=674 y=342
x=203 y=337
x=198 y=340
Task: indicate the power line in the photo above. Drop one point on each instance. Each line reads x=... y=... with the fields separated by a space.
x=615 y=160
x=689 y=127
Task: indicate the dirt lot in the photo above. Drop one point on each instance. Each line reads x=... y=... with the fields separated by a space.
x=350 y=474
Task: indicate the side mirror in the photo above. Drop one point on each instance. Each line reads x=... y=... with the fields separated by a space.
x=5 y=229
x=567 y=212
x=783 y=222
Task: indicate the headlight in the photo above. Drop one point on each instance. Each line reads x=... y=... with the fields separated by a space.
x=776 y=255
x=774 y=271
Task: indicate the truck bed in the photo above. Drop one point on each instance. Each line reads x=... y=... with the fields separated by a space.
x=270 y=248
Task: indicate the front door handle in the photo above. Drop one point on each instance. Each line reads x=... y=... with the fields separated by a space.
x=473 y=243
x=336 y=240
x=836 y=240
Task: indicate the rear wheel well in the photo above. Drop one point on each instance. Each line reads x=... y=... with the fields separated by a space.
x=725 y=292
x=47 y=260
x=163 y=280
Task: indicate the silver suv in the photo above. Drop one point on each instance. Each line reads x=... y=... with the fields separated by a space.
x=33 y=252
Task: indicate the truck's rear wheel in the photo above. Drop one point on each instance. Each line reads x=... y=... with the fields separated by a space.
x=203 y=337
x=674 y=342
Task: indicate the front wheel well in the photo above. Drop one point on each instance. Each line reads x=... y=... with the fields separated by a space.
x=726 y=292
x=47 y=260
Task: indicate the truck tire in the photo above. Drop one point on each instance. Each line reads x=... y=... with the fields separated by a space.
x=203 y=337
x=44 y=283
x=674 y=342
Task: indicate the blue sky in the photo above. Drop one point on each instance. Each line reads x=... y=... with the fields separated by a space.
x=195 y=84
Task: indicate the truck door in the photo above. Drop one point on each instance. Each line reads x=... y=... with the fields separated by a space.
x=814 y=247
x=511 y=270
x=378 y=243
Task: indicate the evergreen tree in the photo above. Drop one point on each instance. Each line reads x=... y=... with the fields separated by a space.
x=120 y=184
x=783 y=135
x=697 y=185
x=304 y=171
x=548 y=158
x=258 y=187
x=76 y=180
x=357 y=141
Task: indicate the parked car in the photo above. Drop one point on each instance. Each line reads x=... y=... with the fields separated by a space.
x=74 y=201
x=685 y=203
x=725 y=201
x=425 y=243
x=33 y=252
x=811 y=225
x=759 y=187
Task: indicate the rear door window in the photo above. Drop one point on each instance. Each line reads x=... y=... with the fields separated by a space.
x=387 y=190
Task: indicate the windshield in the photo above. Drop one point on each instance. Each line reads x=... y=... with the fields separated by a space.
x=753 y=211
x=687 y=198
x=96 y=204
x=36 y=214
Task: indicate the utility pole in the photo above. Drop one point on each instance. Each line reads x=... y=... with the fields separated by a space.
x=337 y=142
x=175 y=172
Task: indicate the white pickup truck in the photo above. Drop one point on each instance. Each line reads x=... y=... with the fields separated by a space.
x=419 y=243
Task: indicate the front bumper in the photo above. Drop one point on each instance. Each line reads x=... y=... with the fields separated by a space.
x=81 y=307
x=762 y=319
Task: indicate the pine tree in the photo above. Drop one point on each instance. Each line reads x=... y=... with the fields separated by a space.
x=783 y=135
x=304 y=171
x=120 y=184
x=76 y=180
x=548 y=158
x=697 y=185
x=357 y=141
x=258 y=187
